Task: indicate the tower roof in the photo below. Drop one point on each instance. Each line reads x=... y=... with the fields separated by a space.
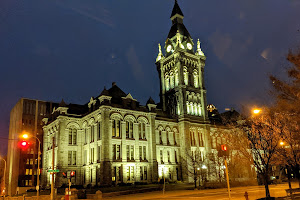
x=177 y=23
x=176 y=10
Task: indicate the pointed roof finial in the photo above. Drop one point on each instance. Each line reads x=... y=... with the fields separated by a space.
x=160 y=54
x=176 y=10
x=199 y=51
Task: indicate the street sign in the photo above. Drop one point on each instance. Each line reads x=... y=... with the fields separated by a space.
x=53 y=170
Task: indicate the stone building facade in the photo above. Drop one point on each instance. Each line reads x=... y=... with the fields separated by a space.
x=113 y=139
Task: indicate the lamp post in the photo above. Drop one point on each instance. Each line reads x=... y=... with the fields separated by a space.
x=4 y=189
x=26 y=136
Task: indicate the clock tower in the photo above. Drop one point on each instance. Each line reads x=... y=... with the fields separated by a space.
x=181 y=73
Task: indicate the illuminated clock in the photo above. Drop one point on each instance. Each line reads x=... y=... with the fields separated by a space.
x=189 y=46
x=169 y=48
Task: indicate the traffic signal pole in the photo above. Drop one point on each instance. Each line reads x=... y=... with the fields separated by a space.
x=227 y=177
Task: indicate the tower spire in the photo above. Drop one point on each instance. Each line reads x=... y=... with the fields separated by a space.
x=176 y=11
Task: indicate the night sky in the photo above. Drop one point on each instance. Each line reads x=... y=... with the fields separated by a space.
x=71 y=49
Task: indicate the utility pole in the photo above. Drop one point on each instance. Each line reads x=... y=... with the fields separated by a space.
x=53 y=173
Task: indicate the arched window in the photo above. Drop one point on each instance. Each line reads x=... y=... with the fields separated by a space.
x=185 y=76
x=129 y=129
x=116 y=128
x=142 y=130
x=167 y=83
x=199 y=109
x=188 y=107
x=195 y=109
x=196 y=77
x=192 y=108
x=176 y=77
x=171 y=80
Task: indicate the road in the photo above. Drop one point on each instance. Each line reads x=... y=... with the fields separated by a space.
x=237 y=193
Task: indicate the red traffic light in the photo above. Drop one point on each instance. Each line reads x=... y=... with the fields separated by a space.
x=72 y=173
x=24 y=144
x=223 y=147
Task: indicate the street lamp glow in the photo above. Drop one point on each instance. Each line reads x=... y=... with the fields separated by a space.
x=204 y=167
x=281 y=143
x=256 y=111
x=25 y=136
x=198 y=168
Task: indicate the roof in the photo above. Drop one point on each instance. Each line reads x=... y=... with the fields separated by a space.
x=105 y=92
x=181 y=28
x=150 y=101
x=176 y=10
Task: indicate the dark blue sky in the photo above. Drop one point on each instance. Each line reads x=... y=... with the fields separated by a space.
x=71 y=49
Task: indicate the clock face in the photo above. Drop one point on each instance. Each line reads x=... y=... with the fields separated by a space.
x=169 y=48
x=189 y=46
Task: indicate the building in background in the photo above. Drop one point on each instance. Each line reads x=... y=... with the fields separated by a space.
x=26 y=115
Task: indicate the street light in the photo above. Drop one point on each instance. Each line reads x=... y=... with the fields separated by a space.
x=256 y=111
x=4 y=189
x=26 y=136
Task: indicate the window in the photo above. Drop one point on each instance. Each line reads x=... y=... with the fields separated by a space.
x=116 y=128
x=130 y=173
x=175 y=156
x=142 y=153
x=99 y=131
x=92 y=155
x=200 y=137
x=196 y=84
x=167 y=136
x=28 y=172
x=145 y=172
x=85 y=157
x=69 y=157
x=85 y=136
x=99 y=154
x=129 y=129
x=192 y=135
x=171 y=80
x=141 y=173
x=142 y=130
x=167 y=83
x=174 y=135
x=160 y=138
x=116 y=152
x=92 y=133
x=161 y=156
x=72 y=157
x=169 y=160
x=186 y=76
x=72 y=136
x=176 y=77
x=132 y=152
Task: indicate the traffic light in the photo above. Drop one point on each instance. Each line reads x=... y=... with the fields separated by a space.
x=64 y=174
x=72 y=173
x=224 y=151
x=23 y=144
x=223 y=147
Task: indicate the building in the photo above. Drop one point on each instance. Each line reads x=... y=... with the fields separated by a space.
x=27 y=115
x=113 y=139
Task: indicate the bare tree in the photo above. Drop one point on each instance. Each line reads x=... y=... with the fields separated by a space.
x=287 y=107
x=193 y=165
x=264 y=135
